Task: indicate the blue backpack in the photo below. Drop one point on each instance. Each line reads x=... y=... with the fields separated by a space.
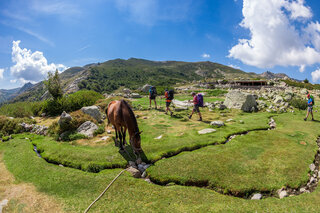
x=200 y=100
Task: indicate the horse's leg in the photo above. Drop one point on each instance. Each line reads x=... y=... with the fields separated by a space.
x=120 y=138
x=124 y=135
x=116 y=140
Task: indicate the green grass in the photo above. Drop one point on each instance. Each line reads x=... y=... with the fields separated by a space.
x=77 y=189
x=177 y=136
x=143 y=103
x=261 y=161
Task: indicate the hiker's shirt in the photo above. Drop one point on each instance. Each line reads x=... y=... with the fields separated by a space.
x=310 y=102
x=166 y=95
x=195 y=100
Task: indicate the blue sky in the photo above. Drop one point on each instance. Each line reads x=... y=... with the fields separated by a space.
x=38 y=36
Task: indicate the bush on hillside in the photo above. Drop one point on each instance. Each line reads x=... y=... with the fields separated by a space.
x=78 y=118
x=299 y=103
x=21 y=109
x=11 y=126
x=70 y=103
x=103 y=103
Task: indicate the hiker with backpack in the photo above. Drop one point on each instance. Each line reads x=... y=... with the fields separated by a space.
x=197 y=102
x=169 y=97
x=310 y=106
x=152 y=96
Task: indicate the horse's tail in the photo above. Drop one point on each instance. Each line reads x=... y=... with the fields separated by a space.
x=107 y=113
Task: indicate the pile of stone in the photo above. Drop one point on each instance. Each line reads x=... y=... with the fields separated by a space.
x=33 y=128
x=138 y=170
x=216 y=105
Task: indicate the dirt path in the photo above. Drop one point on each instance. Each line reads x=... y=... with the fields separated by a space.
x=23 y=197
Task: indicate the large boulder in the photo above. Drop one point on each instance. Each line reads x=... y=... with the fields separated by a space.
x=93 y=111
x=240 y=100
x=181 y=105
x=65 y=118
x=87 y=128
x=135 y=95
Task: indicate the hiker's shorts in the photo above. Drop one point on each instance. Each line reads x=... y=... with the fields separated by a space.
x=310 y=108
x=168 y=104
x=152 y=97
x=196 y=108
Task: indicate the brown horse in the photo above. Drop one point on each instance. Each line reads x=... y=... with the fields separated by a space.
x=121 y=116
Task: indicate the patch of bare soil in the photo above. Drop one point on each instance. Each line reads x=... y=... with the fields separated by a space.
x=24 y=197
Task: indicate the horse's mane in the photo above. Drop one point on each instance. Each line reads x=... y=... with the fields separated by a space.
x=131 y=115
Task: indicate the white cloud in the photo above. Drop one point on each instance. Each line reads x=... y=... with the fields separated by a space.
x=1 y=73
x=278 y=35
x=31 y=67
x=13 y=81
x=55 y=7
x=205 y=55
x=315 y=75
x=302 y=68
x=234 y=66
x=149 y=12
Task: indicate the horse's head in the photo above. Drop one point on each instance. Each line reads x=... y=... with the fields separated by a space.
x=136 y=143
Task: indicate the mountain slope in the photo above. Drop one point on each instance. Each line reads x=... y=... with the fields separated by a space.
x=271 y=75
x=134 y=73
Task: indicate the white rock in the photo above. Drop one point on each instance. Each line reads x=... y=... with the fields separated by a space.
x=302 y=190
x=93 y=111
x=3 y=204
x=158 y=138
x=206 y=131
x=239 y=100
x=217 y=123
x=229 y=120
x=108 y=131
x=256 y=196
x=134 y=172
x=104 y=138
x=65 y=118
x=87 y=128
x=282 y=194
x=135 y=95
x=312 y=167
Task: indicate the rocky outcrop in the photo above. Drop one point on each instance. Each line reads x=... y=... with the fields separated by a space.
x=239 y=100
x=87 y=128
x=93 y=111
x=33 y=128
x=206 y=131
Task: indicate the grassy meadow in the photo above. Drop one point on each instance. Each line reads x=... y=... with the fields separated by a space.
x=192 y=172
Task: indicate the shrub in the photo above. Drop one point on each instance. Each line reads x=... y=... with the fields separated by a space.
x=100 y=130
x=11 y=126
x=78 y=118
x=103 y=103
x=71 y=102
x=76 y=136
x=5 y=138
x=299 y=103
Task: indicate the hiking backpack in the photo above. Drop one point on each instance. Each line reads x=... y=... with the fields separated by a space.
x=312 y=99
x=170 y=94
x=200 y=100
x=153 y=91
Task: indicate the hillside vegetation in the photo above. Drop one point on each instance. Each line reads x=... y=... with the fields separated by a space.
x=133 y=73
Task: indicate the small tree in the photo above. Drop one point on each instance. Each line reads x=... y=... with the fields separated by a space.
x=306 y=81
x=54 y=85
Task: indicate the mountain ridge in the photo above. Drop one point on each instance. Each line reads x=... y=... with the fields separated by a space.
x=108 y=76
